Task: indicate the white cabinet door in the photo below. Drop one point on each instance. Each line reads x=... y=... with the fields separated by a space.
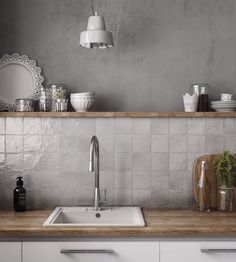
x=93 y=251
x=10 y=251
x=197 y=251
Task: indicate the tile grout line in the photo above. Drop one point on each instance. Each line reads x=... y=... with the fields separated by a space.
x=132 y=161
x=187 y=158
x=168 y=133
x=114 y=172
x=150 y=163
x=5 y=142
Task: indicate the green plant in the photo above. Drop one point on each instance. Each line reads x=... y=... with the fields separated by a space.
x=225 y=168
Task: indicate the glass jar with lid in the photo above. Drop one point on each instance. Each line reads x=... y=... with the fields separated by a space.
x=24 y=105
x=44 y=100
x=56 y=92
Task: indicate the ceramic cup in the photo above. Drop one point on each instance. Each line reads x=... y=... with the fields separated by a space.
x=226 y=97
x=190 y=102
x=190 y=107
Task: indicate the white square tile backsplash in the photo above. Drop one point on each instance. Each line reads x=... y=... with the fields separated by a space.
x=196 y=126
x=141 y=143
x=178 y=143
x=159 y=126
x=32 y=125
x=214 y=126
x=141 y=125
x=14 y=125
x=177 y=125
x=145 y=161
x=123 y=143
x=2 y=144
x=160 y=143
x=2 y=125
x=14 y=143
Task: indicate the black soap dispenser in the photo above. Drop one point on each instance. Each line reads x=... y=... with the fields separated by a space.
x=19 y=196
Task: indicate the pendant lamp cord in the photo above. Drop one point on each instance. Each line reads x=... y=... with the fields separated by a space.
x=92 y=3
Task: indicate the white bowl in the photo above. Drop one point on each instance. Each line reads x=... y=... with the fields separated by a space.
x=82 y=105
x=82 y=97
x=83 y=94
x=82 y=100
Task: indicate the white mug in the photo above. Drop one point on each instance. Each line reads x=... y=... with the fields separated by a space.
x=190 y=102
x=226 y=97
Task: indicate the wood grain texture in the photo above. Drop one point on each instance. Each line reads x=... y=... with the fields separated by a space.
x=118 y=114
x=167 y=223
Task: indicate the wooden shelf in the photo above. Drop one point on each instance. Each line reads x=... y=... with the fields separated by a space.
x=117 y=114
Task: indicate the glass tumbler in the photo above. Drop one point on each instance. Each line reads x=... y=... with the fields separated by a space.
x=226 y=198
x=56 y=92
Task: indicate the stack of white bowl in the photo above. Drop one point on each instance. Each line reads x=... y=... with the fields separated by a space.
x=82 y=102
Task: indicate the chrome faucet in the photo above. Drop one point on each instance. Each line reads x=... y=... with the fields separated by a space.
x=94 y=154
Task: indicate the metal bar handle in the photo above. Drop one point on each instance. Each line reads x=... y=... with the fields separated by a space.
x=86 y=251
x=218 y=250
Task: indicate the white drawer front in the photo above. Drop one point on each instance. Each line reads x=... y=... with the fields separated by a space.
x=122 y=251
x=10 y=251
x=197 y=251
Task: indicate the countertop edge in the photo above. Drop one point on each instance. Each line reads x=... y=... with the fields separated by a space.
x=159 y=223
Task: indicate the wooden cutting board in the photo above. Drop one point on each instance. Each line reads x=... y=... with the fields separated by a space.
x=210 y=178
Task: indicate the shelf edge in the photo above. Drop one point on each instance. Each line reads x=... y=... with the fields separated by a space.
x=119 y=114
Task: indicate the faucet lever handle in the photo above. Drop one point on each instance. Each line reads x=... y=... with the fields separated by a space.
x=105 y=194
x=104 y=201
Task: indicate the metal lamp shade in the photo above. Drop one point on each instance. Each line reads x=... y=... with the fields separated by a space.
x=96 y=35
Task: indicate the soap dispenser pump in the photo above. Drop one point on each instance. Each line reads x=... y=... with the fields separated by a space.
x=19 y=196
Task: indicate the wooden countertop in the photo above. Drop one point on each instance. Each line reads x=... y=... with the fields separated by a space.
x=118 y=114
x=159 y=223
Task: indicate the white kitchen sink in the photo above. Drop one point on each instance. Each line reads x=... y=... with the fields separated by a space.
x=88 y=217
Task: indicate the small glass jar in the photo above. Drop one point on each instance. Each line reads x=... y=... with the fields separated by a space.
x=44 y=100
x=24 y=105
x=56 y=92
x=61 y=105
x=226 y=199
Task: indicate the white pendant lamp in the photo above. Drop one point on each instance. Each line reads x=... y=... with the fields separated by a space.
x=96 y=35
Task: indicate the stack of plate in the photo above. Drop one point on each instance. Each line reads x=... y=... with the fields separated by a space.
x=224 y=106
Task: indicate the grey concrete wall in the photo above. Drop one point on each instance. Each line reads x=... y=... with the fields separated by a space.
x=161 y=47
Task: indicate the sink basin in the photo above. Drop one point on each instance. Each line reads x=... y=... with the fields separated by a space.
x=88 y=217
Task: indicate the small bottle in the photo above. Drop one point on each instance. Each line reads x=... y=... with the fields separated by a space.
x=196 y=89
x=19 y=196
x=203 y=99
x=203 y=188
x=43 y=100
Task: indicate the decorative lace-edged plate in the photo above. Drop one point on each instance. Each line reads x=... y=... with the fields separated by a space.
x=18 y=64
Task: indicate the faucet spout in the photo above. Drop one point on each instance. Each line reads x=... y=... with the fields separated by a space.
x=91 y=154
x=94 y=167
x=91 y=166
